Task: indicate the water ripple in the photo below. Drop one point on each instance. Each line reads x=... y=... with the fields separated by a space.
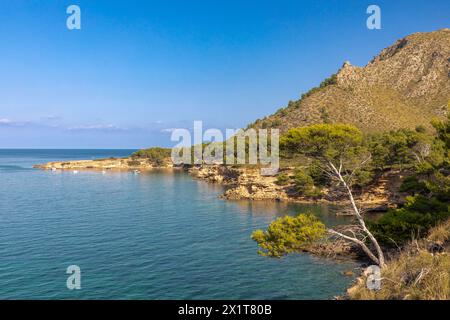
x=158 y=236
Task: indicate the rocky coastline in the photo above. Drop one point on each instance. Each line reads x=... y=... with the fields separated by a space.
x=246 y=182
x=129 y=163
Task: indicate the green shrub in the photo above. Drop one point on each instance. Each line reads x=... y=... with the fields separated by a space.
x=289 y=234
x=412 y=221
x=282 y=179
x=439 y=186
x=316 y=172
x=304 y=184
x=265 y=124
x=156 y=154
x=421 y=129
x=413 y=185
x=293 y=104
x=363 y=177
x=282 y=112
x=329 y=81
x=276 y=123
x=332 y=80
x=134 y=163
x=324 y=115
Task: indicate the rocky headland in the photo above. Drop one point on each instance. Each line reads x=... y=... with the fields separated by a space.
x=129 y=163
x=247 y=182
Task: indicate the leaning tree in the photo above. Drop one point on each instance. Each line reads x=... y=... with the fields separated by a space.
x=340 y=152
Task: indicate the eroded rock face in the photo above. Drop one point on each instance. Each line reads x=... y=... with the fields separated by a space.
x=256 y=191
x=248 y=183
x=242 y=182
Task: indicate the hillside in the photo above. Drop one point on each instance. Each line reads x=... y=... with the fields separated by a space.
x=406 y=85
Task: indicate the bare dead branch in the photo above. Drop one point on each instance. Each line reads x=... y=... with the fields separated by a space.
x=357 y=213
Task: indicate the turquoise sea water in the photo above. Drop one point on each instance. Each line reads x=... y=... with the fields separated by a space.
x=161 y=235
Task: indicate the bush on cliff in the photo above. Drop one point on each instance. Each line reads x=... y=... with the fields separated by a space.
x=316 y=172
x=282 y=179
x=304 y=184
x=413 y=221
x=429 y=204
x=156 y=155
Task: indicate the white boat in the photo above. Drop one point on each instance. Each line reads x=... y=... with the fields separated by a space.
x=104 y=172
x=136 y=172
x=53 y=169
x=75 y=171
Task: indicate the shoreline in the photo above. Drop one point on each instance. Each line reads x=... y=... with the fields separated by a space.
x=234 y=179
x=240 y=182
x=119 y=204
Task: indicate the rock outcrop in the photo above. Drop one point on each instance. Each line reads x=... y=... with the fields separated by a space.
x=130 y=163
x=248 y=183
x=242 y=182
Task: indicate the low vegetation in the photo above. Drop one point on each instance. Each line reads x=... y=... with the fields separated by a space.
x=156 y=155
x=420 y=272
x=289 y=234
x=341 y=154
x=429 y=189
x=282 y=179
x=412 y=221
x=338 y=150
x=304 y=184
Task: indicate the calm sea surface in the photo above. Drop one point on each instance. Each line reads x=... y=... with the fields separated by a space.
x=160 y=235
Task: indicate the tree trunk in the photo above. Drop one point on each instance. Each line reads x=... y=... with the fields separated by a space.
x=380 y=260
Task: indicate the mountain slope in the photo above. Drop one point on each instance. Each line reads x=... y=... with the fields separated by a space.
x=406 y=85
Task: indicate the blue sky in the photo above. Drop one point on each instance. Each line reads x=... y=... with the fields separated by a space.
x=138 y=68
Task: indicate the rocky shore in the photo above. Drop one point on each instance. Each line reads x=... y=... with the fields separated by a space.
x=244 y=182
x=129 y=163
x=248 y=183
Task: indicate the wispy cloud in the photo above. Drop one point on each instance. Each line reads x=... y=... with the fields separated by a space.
x=53 y=122
x=11 y=123
x=51 y=117
x=168 y=130
x=96 y=127
x=5 y=121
